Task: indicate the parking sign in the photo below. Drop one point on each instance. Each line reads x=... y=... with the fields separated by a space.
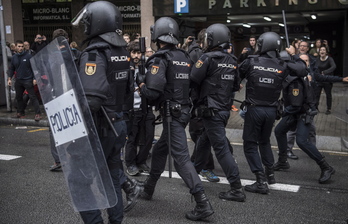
x=181 y=6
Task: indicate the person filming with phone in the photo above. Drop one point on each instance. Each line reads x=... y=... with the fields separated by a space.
x=39 y=43
x=188 y=42
x=248 y=50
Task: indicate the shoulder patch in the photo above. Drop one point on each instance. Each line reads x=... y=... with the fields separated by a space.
x=199 y=64
x=295 y=92
x=90 y=68
x=154 y=70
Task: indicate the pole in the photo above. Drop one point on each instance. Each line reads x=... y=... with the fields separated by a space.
x=286 y=30
x=169 y=120
x=4 y=58
x=143 y=105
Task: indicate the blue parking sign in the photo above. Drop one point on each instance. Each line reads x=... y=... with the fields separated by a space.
x=181 y=6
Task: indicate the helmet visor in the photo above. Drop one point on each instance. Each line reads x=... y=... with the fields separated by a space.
x=77 y=19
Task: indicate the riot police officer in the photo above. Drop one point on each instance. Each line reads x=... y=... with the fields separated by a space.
x=104 y=71
x=265 y=73
x=299 y=110
x=215 y=74
x=167 y=84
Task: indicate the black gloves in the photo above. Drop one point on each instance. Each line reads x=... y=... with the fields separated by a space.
x=140 y=79
x=94 y=103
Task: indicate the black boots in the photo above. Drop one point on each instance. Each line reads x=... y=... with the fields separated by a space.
x=260 y=186
x=203 y=208
x=326 y=171
x=132 y=188
x=269 y=172
x=282 y=164
x=235 y=194
x=291 y=155
x=149 y=188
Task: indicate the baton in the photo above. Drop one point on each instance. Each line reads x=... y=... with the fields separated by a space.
x=239 y=101
x=109 y=122
x=169 y=120
x=286 y=30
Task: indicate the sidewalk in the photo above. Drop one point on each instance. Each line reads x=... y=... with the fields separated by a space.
x=332 y=130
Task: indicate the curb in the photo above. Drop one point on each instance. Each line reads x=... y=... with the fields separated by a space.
x=24 y=122
x=327 y=143
x=324 y=143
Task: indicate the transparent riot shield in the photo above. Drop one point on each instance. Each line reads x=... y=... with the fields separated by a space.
x=76 y=139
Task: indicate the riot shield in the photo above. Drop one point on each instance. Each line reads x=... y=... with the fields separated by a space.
x=75 y=135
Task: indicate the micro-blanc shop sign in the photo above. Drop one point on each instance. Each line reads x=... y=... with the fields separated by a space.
x=48 y=13
x=130 y=11
x=51 y=14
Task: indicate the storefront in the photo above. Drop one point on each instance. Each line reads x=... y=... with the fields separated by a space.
x=26 y=18
x=44 y=16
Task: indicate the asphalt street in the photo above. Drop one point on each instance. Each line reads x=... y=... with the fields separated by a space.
x=29 y=193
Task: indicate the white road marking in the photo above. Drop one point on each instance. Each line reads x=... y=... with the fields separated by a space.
x=8 y=157
x=223 y=180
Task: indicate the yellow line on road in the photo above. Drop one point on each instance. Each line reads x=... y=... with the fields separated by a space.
x=40 y=129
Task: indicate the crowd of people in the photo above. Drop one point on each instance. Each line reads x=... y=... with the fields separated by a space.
x=190 y=85
x=20 y=76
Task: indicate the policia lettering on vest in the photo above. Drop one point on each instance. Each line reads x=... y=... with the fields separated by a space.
x=215 y=77
x=104 y=72
x=265 y=73
x=166 y=85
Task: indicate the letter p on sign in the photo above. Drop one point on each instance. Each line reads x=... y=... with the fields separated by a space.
x=181 y=6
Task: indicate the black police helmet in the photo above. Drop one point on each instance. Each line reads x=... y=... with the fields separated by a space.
x=166 y=30
x=217 y=35
x=102 y=19
x=269 y=42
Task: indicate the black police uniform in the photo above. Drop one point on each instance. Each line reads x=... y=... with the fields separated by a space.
x=265 y=76
x=216 y=73
x=299 y=111
x=167 y=78
x=104 y=72
x=196 y=126
x=299 y=100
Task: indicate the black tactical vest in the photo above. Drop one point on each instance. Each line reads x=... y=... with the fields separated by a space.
x=265 y=81
x=293 y=92
x=178 y=77
x=118 y=76
x=217 y=87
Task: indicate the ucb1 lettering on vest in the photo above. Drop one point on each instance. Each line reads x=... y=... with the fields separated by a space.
x=119 y=58
x=261 y=68
x=121 y=75
x=181 y=76
x=181 y=63
x=266 y=80
x=227 y=77
x=226 y=66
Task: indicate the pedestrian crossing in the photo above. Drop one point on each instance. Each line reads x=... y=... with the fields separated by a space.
x=8 y=157
x=223 y=180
